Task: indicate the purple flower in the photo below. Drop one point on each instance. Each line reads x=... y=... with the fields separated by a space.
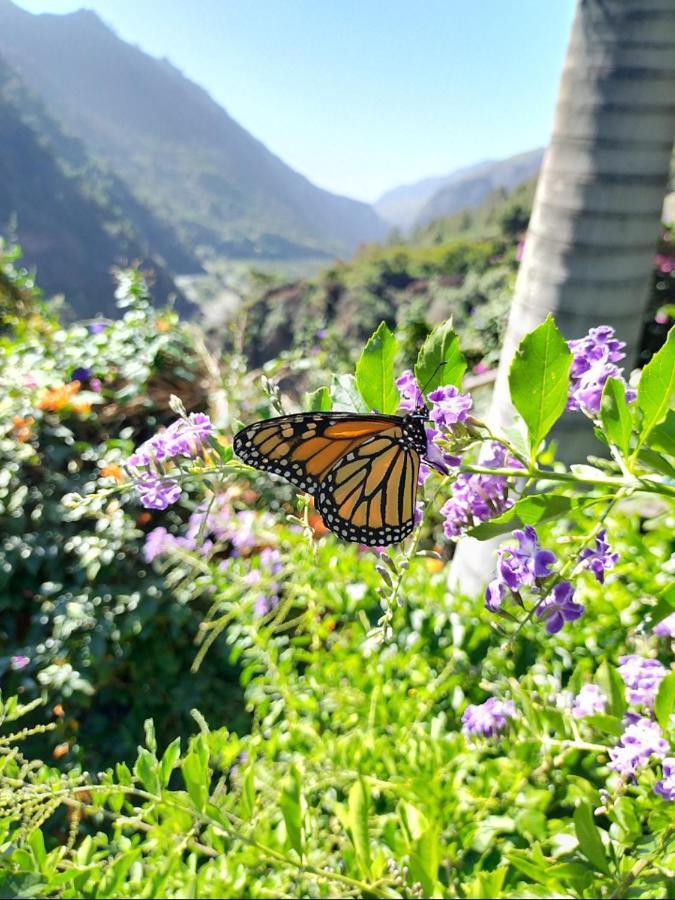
x=589 y=701
x=160 y=542
x=95 y=385
x=666 y=627
x=642 y=677
x=264 y=605
x=449 y=406
x=524 y=564
x=411 y=395
x=477 y=498
x=19 y=662
x=666 y=786
x=270 y=558
x=494 y=594
x=436 y=457
x=489 y=718
x=156 y=492
x=81 y=374
x=559 y=607
x=320 y=334
x=184 y=437
x=97 y=327
x=640 y=740
x=594 y=358
x=600 y=558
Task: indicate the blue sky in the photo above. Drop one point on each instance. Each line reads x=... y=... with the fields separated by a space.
x=363 y=95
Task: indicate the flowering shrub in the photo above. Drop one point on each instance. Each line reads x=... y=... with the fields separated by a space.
x=401 y=740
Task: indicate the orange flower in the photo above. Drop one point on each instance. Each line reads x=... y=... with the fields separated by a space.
x=434 y=565
x=23 y=428
x=162 y=325
x=112 y=471
x=60 y=750
x=57 y=398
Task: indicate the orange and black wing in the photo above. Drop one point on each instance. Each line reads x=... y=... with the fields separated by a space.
x=369 y=496
x=303 y=448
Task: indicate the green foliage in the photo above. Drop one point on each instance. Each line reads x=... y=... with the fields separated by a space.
x=375 y=371
x=351 y=774
x=539 y=379
x=440 y=360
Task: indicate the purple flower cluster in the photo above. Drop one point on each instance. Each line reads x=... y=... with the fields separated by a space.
x=184 y=437
x=595 y=358
x=666 y=786
x=641 y=739
x=411 y=395
x=589 y=701
x=449 y=406
x=600 y=558
x=19 y=662
x=477 y=498
x=528 y=566
x=160 y=542
x=487 y=719
x=642 y=677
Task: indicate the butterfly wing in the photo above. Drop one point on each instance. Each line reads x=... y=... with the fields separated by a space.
x=303 y=448
x=369 y=496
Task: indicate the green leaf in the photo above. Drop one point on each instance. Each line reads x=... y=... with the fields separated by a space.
x=588 y=835
x=615 y=415
x=539 y=378
x=656 y=462
x=37 y=844
x=375 y=376
x=612 y=684
x=168 y=761
x=528 y=510
x=656 y=388
x=318 y=400
x=196 y=776
x=662 y=437
x=424 y=860
x=146 y=770
x=248 y=793
x=440 y=360
x=346 y=396
x=665 y=701
x=291 y=808
x=357 y=819
x=607 y=724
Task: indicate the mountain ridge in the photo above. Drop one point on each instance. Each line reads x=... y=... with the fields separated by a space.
x=181 y=153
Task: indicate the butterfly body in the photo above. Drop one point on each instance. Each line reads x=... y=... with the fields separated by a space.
x=361 y=469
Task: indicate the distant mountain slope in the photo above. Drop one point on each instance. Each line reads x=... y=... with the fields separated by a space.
x=502 y=212
x=401 y=205
x=181 y=153
x=470 y=191
x=68 y=226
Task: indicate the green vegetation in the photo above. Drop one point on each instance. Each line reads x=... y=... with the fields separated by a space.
x=313 y=703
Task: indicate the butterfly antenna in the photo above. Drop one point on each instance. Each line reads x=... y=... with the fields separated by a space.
x=432 y=376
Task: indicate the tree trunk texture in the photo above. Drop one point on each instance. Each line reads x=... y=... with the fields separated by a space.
x=589 y=247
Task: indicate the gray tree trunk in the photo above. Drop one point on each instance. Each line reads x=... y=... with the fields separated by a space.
x=596 y=215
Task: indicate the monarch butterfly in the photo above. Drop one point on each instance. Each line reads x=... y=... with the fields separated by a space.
x=361 y=469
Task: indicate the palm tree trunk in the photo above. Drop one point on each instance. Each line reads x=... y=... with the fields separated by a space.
x=595 y=221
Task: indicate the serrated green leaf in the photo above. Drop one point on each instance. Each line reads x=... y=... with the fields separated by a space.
x=357 y=817
x=528 y=510
x=440 y=360
x=318 y=400
x=345 y=395
x=665 y=701
x=375 y=376
x=539 y=379
x=657 y=387
x=588 y=835
x=615 y=415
